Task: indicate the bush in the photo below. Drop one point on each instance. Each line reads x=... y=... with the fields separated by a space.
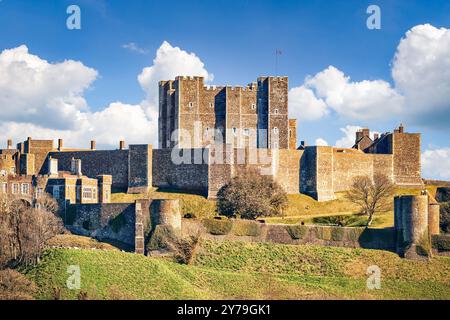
x=441 y=242
x=326 y=234
x=297 y=232
x=354 y=234
x=337 y=234
x=15 y=286
x=161 y=238
x=443 y=194
x=251 y=195
x=246 y=228
x=218 y=227
x=445 y=217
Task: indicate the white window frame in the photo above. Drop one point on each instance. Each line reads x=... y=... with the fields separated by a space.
x=234 y=130
x=15 y=188
x=25 y=188
x=4 y=187
x=253 y=106
x=275 y=130
x=211 y=105
x=246 y=132
x=88 y=193
x=191 y=105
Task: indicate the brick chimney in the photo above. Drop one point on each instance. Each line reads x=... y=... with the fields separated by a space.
x=122 y=145
x=93 y=145
x=401 y=129
x=9 y=143
x=60 y=144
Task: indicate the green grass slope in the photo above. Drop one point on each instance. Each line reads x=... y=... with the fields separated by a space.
x=243 y=271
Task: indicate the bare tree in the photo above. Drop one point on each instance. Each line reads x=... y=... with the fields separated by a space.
x=25 y=231
x=47 y=203
x=371 y=196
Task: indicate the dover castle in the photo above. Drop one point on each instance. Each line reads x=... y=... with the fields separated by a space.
x=207 y=135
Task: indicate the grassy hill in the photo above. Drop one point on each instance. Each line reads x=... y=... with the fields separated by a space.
x=243 y=271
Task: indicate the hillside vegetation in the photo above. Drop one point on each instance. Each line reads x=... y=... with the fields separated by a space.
x=234 y=270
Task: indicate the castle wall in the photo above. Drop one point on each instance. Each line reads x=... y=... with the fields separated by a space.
x=94 y=163
x=406 y=149
x=7 y=161
x=187 y=176
x=348 y=166
x=282 y=165
x=278 y=112
x=40 y=150
x=292 y=134
x=140 y=168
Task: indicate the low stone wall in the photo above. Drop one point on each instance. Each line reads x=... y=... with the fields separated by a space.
x=251 y=231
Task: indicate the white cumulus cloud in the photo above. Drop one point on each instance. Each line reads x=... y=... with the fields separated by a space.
x=421 y=71
x=33 y=90
x=321 y=142
x=46 y=100
x=304 y=105
x=436 y=163
x=421 y=90
x=331 y=89
x=170 y=62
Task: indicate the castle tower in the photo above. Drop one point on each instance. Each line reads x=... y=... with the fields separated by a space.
x=193 y=115
x=411 y=225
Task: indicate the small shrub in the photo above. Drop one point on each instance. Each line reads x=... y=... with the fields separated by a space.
x=218 y=227
x=443 y=194
x=184 y=249
x=161 y=237
x=353 y=234
x=246 y=228
x=317 y=232
x=15 y=286
x=326 y=234
x=337 y=234
x=444 y=220
x=297 y=232
x=441 y=242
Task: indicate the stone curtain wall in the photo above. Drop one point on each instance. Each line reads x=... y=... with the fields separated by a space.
x=407 y=158
x=94 y=163
x=347 y=166
x=285 y=169
x=166 y=174
x=140 y=168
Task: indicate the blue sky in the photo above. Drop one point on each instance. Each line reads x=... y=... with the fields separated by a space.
x=236 y=41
